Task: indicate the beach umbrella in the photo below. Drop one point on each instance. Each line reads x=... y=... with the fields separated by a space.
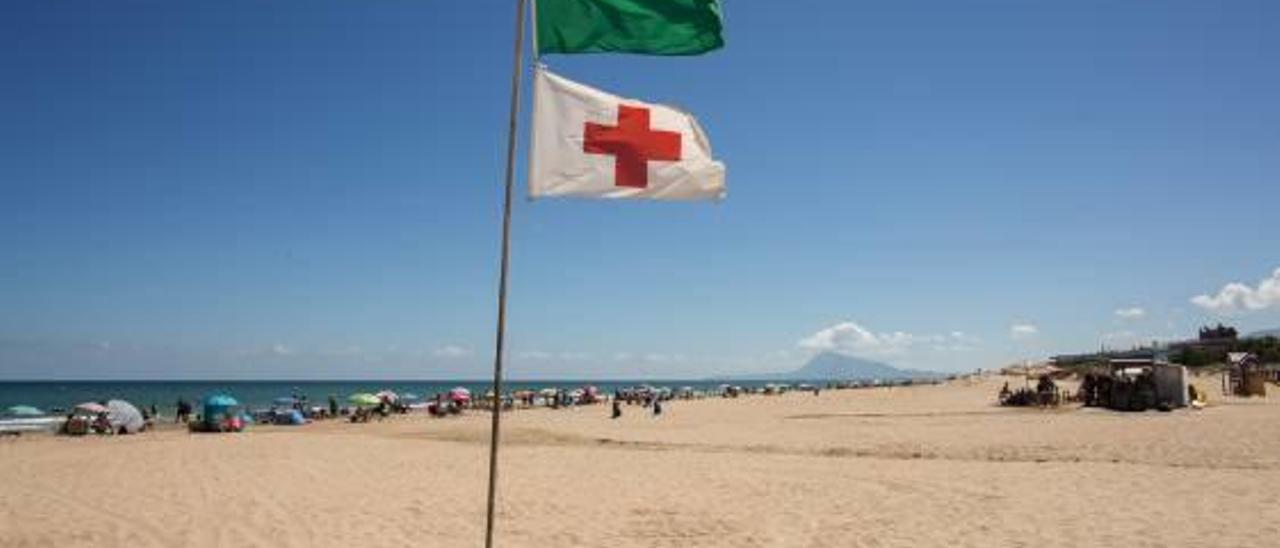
x=548 y=392
x=216 y=406
x=91 y=407
x=24 y=411
x=387 y=395
x=124 y=417
x=460 y=394
x=221 y=400
x=364 y=398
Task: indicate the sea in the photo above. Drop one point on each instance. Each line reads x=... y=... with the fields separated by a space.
x=63 y=395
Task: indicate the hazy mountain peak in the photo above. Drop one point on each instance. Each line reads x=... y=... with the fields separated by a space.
x=830 y=366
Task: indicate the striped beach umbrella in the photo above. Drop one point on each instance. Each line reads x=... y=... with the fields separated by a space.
x=124 y=417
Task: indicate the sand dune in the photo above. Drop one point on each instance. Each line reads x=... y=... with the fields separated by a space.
x=923 y=466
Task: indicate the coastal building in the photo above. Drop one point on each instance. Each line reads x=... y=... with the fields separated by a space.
x=1210 y=346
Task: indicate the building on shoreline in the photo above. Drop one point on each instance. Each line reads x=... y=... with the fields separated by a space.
x=1211 y=346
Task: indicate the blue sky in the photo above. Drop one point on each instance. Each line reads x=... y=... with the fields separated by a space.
x=312 y=189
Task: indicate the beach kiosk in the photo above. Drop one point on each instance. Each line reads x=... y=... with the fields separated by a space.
x=1245 y=376
x=1138 y=384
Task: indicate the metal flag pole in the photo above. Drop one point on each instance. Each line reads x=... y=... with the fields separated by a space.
x=502 y=276
x=533 y=20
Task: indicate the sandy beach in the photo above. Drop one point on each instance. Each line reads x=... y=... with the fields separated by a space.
x=919 y=466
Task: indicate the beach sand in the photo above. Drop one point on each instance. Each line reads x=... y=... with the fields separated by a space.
x=919 y=466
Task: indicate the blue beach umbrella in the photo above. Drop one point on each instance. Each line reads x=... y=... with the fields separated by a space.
x=221 y=400
x=218 y=405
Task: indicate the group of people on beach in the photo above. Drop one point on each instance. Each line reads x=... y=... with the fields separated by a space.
x=650 y=400
x=1045 y=394
x=97 y=418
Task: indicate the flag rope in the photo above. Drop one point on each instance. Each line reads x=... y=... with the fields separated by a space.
x=500 y=335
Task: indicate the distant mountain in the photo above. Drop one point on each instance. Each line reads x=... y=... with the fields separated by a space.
x=831 y=366
x=1264 y=334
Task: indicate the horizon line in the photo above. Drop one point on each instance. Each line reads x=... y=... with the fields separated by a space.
x=459 y=380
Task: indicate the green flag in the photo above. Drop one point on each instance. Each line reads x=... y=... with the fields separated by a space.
x=652 y=27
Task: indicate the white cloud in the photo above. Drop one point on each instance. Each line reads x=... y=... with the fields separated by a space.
x=657 y=357
x=956 y=341
x=851 y=338
x=534 y=355
x=1236 y=296
x=451 y=351
x=1023 y=331
x=1131 y=313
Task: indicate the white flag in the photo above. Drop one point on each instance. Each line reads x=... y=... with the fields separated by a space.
x=589 y=143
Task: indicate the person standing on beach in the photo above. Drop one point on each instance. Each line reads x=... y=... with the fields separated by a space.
x=617 y=408
x=657 y=407
x=184 y=412
x=333 y=406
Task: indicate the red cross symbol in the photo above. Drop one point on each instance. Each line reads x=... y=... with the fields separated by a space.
x=632 y=144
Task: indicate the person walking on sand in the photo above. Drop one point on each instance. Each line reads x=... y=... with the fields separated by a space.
x=657 y=407
x=617 y=409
